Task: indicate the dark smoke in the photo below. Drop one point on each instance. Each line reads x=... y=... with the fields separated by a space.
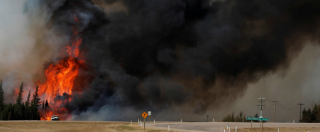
x=160 y=53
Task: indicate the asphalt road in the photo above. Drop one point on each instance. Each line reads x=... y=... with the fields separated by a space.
x=219 y=126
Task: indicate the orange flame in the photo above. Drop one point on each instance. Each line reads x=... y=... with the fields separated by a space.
x=60 y=78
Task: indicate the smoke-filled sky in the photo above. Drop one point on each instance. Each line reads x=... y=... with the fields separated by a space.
x=177 y=58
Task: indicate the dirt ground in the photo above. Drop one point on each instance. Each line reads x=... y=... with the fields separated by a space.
x=59 y=126
x=288 y=129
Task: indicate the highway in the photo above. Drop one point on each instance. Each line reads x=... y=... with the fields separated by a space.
x=219 y=126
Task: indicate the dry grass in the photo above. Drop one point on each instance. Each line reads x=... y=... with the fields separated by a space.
x=62 y=126
x=286 y=129
x=37 y=126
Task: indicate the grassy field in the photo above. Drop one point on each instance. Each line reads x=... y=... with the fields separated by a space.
x=61 y=126
x=287 y=129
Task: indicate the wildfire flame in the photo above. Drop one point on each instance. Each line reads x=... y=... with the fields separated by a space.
x=60 y=78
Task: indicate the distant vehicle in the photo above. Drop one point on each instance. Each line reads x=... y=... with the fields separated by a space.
x=55 y=118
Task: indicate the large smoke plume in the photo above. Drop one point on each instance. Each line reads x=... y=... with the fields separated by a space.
x=156 y=54
x=25 y=45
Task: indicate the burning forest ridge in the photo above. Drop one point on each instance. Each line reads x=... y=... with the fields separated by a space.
x=100 y=56
x=60 y=78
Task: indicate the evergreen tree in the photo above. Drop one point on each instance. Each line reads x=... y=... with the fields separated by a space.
x=17 y=113
x=9 y=116
x=314 y=113
x=304 y=115
x=12 y=113
x=26 y=111
x=43 y=105
x=19 y=99
x=227 y=119
x=257 y=116
x=318 y=114
x=309 y=115
x=239 y=117
x=28 y=100
x=20 y=110
x=232 y=117
x=35 y=103
x=46 y=105
x=1 y=97
x=1 y=101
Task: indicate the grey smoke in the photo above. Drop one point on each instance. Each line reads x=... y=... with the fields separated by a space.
x=163 y=55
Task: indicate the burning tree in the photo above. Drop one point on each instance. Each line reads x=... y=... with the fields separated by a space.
x=60 y=77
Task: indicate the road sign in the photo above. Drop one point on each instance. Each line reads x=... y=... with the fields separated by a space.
x=264 y=119
x=144 y=115
x=253 y=118
x=257 y=119
x=149 y=114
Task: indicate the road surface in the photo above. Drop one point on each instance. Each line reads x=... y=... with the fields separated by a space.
x=219 y=126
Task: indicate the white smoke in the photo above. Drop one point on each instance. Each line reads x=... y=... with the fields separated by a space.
x=25 y=45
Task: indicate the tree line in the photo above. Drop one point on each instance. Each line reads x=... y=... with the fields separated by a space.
x=311 y=115
x=231 y=118
x=20 y=110
x=239 y=118
x=308 y=116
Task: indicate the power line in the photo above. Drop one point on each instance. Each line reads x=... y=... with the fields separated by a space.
x=282 y=106
x=291 y=108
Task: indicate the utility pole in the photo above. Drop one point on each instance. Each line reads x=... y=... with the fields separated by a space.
x=300 y=110
x=274 y=113
x=261 y=106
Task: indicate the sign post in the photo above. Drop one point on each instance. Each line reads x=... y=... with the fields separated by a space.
x=149 y=114
x=262 y=126
x=251 y=125
x=257 y=119
x=144 y=115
